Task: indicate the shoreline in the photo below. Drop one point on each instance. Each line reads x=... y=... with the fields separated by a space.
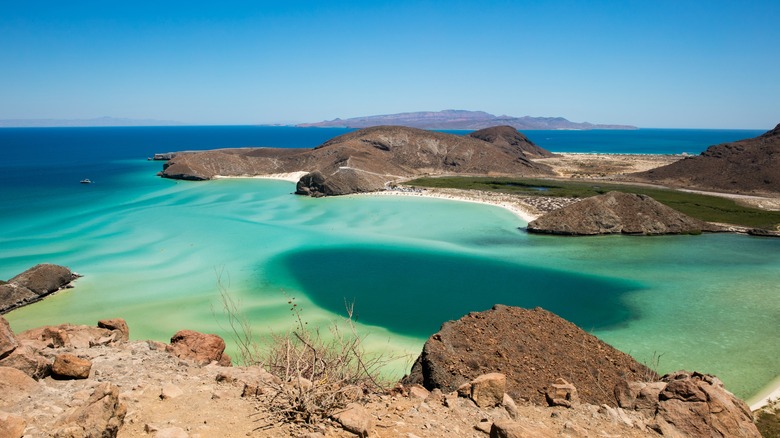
x=768 y=395
x=292 y=177
x=525 y=214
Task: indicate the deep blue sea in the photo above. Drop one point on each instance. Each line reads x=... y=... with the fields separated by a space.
x=157 y=252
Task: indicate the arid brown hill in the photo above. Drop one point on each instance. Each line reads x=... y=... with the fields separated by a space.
x=362 y=161
x=532 y=348
x=508 y=136
x=745 y=166
x=616 y=213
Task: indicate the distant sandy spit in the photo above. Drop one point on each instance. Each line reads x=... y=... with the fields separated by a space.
x=767 y=396
x=523 y=211
x=291 y=176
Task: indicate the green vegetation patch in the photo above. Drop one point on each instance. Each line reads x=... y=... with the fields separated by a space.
x=704 y=207
x=768 y=423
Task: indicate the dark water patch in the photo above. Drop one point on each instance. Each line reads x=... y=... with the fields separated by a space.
x=414 y=292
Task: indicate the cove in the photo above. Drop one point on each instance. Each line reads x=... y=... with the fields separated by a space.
x=413 y=292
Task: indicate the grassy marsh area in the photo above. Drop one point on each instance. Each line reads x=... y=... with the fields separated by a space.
x=704 y=207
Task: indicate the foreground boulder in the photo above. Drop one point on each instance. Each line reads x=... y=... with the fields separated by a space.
x=199 y=348
x=691 y=405
x=618 y=213
x=533 y=348
x=33 y=285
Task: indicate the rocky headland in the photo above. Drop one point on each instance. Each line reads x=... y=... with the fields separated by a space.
x=82 y=381
x=368 y=160
x=618 y=213
x=33 y=285
x=750 y=166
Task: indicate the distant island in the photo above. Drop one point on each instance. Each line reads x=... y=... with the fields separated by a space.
x=72 y=123
x=461 y=119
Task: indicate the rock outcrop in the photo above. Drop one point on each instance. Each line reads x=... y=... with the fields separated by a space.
x=198 y=347
x=139 y=388
x=369 y=159
x=533 y=348
x=33 y=285
x=691 y=405
x=616 y=213
x=747 y=166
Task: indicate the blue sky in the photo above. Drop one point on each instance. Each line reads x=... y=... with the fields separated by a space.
x=675 y=64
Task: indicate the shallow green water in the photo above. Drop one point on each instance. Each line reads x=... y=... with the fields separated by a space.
x=154 y=251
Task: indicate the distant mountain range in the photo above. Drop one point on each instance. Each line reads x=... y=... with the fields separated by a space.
x=461 y=119
x=99 y=121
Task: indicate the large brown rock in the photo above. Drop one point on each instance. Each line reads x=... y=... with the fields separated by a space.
x=101 y=416
x=117 y=324
x=14 y=386
x=28 y=360
x=199 y=347
x=68 y=366
x=7 y=339
x=616 y=213
x=697 y=405
x=745 y=166
x=532 y=348
x=68 y=335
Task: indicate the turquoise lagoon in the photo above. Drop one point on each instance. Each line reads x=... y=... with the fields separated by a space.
x=156 y=252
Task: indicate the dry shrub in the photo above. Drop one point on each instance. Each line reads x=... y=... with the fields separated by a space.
x=320 y=373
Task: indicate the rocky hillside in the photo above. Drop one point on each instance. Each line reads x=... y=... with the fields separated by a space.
x=750 y=166
x=509 y=137
x=33 y=285
x=364 y=160
x=81 y=381
x=460 y=119
x=532 y=348
x=618 y=213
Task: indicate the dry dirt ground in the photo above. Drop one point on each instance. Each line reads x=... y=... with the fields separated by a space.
x=171 y=397
x=570 y=165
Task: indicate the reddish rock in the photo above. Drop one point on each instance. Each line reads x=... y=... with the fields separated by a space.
x=7 y=339
x=101 y=416
x=11 y=426
x=29 y=361
x=562 y=393
x=117 y=324
x=14 y=386
x=68 y=366
x=199 y=348
x=488 y=390
x=355 y=419
x=512 y=429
